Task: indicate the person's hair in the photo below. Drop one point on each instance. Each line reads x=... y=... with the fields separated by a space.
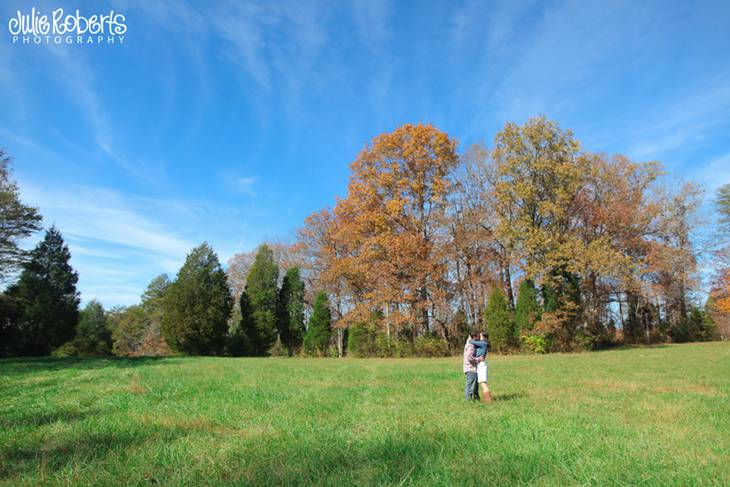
x=483 y=334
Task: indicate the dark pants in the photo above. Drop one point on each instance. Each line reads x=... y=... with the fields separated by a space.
x=471 y=391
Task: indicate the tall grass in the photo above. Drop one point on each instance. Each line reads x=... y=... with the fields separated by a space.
x=649 y=416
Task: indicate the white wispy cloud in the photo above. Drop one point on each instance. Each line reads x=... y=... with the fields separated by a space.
x=245 y=185
x=714 y=173
x=10 y=81
x=117 y=243
x=120 y=241
x=77 y=78
x=685 y=122
x=101 y=214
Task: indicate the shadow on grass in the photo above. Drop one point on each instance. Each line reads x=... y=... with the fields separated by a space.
x=508 y=397
x=35 y=418
x=53 y=453
x=22 y=366
x=35 y=455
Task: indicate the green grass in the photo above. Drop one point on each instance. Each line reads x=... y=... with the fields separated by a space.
x=650 y=416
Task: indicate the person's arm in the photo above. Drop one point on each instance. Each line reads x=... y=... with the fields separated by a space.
x=478 y=343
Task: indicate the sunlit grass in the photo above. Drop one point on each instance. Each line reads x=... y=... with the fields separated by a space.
x=650 y=416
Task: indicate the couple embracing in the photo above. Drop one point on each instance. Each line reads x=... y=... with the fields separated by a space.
x=475 y=367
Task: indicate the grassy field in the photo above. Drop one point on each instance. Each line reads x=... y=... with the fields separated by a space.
x=651 y=416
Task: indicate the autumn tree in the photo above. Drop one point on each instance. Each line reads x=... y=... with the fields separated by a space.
x=325 y=255
x=672 y=259
x=479 y=261
x=721 y=292
x=394 y=225
x=129 y=327
x=540 y=173
x=153 y=343
x=577 y=221
x=722 y=205
x=424 y=235
x=718 y=304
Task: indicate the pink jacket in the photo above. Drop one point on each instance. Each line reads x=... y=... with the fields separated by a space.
x=470 y=360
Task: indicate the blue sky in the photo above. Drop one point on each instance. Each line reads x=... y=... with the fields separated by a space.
x=232 y=121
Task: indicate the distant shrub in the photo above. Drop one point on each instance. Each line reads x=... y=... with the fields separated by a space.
x=332 y=352
x=534 y=343
x=278 y=349
x=585 y=342
x=403 y=348
x=153 y=343
x=66 y=350
x=430 y=346
x=391 y=346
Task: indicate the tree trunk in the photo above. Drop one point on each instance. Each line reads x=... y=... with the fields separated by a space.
x=508 y=286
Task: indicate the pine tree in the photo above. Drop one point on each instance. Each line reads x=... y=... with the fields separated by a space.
x=197 y=305
x=319 y=330
x=500 y=322
x=261 y=287
x=290 y=310
x=243 y=336
x=152 y=296
x=527 y=310
x=46 y=299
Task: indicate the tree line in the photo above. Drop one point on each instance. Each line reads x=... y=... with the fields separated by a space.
x=543 y=244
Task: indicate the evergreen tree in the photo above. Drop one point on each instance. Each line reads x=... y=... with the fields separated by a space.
x=698 y=326
x=243 y=338
x=93 y=335
x=527 y=310
x=319 y=330
x=9 y=315
x=153 y=296
x=549 y=298
x=500 y=322
x=197 y=305
x=46 y=299
x=17 y=221
x=261 y=287
x=290 y=310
